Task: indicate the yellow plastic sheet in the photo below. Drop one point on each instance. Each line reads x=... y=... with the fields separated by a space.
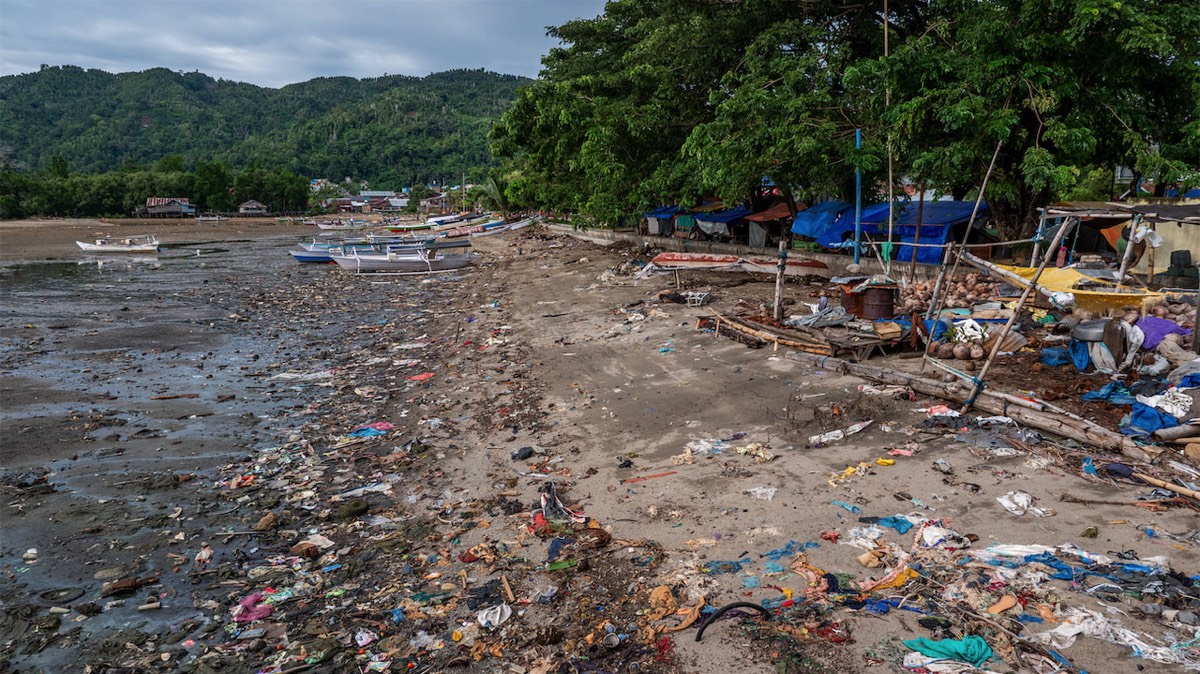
x=1100 y=297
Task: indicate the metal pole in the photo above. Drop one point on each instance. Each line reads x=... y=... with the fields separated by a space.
x=1051 y=251
x=857 y=199
x=1037 y=239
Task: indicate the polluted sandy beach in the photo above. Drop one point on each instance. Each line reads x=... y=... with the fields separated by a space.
x=218 y=460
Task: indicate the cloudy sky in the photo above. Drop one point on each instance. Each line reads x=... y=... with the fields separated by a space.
x=277 y=42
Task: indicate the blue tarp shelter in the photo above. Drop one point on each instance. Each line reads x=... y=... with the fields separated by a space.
x=718 y=222
x=726 y=216
x=842 y=227
x=661 y=221
x=938 y=220
x=1193 y=193
x=818 y=218
x=832 y=222
x=664 y=212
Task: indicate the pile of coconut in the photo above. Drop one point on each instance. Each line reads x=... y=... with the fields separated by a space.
x=1183 y=315
x=961 y=293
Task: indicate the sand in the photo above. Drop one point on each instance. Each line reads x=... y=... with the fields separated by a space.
x=611 y=385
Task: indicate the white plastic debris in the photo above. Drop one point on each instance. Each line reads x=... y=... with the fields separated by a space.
x=1019 y=502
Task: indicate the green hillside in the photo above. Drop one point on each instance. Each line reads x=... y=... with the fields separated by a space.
x=393 y=130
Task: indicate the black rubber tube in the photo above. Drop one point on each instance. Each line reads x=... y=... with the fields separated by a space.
x=729 y=607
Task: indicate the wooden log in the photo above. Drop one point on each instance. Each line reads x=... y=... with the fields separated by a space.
x=1168 y=486
x=1182 y=431
x=1077 y=429
x=763 y=334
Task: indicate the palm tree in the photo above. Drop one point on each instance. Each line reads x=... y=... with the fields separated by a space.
x=495 y=194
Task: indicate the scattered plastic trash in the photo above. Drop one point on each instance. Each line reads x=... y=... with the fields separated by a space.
x=1019 y=503
x=848 y=507
x=491 y=618
x=833 y=436
x=762 y=493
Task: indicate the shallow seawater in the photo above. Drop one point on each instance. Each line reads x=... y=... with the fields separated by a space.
x=132 y=385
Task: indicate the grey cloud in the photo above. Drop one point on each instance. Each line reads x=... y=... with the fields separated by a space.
x=277 y=42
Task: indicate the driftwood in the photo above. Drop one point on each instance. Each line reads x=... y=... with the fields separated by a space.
x=798 y=342
x=1046 y=419
x=1176 y=433
x=1155 y=505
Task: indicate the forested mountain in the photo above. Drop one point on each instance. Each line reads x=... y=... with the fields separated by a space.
x=393 y=130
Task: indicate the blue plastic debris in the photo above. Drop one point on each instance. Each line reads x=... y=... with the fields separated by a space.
x=849 y=507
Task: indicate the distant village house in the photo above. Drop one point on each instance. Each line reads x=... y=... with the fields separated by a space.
x=168 y=207
x=438 y=203
x=252 y=207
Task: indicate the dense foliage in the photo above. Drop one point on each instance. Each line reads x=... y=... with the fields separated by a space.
x=392 y=131
x=658 y=99
x=211 y=186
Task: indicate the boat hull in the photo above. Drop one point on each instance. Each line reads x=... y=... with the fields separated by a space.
x=135 y=245
x=417 y=262
x=795 y=266
x=311 y=256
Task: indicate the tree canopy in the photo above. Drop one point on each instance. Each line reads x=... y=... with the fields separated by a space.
x=662 y=99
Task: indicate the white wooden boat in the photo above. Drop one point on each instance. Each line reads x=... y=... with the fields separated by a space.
x=404 y=261
x=123 y=244
x=794 y=266
x=342 y=225
x=212 y=218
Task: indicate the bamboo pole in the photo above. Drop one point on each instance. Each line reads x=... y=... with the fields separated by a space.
x=1129 y=245
x=936 y=299
x=779 y=281
x=912 y=267
x=1150 y=261
x=987 y=364
x=1167 y=485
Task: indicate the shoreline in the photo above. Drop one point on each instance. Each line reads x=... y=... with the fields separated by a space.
x=548 y=345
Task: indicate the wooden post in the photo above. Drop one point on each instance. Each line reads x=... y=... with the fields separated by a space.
x=1150 y=261
x=779 y=283
x=1195 y=337
x=1137 y=220
x=912 y=267
x=1051 y=251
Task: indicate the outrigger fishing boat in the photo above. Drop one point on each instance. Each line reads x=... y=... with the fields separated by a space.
x=317 y=252
x=794 y=266
x=125 y=244
x=407 y=259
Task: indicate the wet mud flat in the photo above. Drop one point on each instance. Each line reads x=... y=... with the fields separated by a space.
x=128 y=384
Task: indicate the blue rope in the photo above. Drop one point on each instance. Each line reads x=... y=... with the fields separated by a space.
x=979 y=386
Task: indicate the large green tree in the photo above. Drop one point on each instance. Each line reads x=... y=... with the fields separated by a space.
x=660 y=99
x=1061 y=85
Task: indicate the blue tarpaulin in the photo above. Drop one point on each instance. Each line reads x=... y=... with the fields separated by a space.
x=843 y=228
x=1144 y=420
x=938 y=219
x=813 y=221
x=664 y=212
x=1112 y=392
x=726 y=216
